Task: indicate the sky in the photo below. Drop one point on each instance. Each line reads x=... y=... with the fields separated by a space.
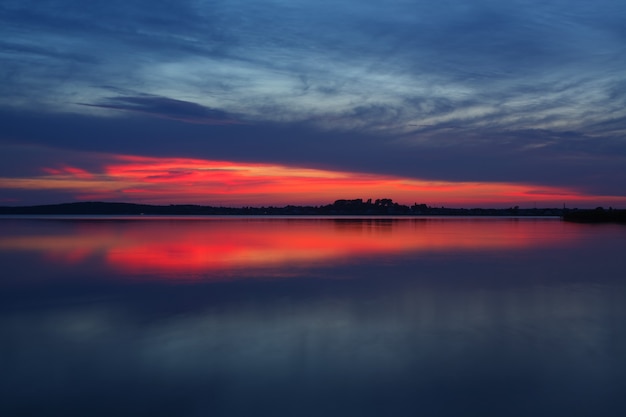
x=250 y=103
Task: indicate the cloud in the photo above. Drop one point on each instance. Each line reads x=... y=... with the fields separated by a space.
x=166 y=108
x=297 y=61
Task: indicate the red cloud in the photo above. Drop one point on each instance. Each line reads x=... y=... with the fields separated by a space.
x=197 y=181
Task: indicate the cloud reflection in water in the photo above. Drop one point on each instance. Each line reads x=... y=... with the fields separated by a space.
x=212 y=249
x=441 y=317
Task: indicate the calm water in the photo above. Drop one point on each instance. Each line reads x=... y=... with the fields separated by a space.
x=311 y=317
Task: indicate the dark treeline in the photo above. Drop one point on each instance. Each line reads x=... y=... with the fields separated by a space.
x=598 y=215
x=356 y=207
x=383 y=206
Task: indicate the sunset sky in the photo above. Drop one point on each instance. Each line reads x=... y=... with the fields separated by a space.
x=249 y=103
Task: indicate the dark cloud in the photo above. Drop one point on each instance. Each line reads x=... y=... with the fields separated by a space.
x=166 y=108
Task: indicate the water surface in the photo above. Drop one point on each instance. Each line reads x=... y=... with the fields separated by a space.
x=293 y=316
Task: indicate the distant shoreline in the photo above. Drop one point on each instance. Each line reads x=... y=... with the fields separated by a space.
x=384 y=207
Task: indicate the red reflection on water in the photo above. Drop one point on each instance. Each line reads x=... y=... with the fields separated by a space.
x=201 y=249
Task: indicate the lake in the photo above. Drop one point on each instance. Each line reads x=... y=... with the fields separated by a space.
x=258 y=316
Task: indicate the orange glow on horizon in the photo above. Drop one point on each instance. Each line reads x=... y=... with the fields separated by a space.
x=154 y=180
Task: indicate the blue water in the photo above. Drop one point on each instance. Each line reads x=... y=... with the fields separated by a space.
x=312 y=317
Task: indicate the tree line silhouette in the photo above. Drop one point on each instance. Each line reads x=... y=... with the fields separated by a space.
x=356 y=207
